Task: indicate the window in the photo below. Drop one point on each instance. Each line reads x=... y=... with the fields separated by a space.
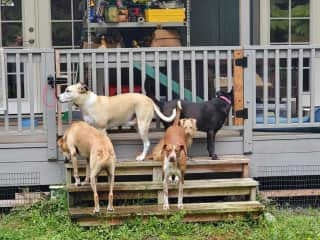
x=10 y=23
x=66 y=22
x=289 y=21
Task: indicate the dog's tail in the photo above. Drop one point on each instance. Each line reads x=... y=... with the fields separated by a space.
x=162 y=116
x=178 y=109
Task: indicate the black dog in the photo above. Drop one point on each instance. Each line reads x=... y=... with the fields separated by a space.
x=210 y=115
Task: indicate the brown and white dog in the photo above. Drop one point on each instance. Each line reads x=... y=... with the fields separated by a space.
x=105 y=112
x=96 y=147
x=174 y=159
x=190 y=128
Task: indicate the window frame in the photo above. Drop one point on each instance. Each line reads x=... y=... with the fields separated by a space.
x=3 y=100
x=289 y=18
x=9 y=21
x=72 y=20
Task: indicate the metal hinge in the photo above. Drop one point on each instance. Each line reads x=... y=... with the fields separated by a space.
x=242 y=113
x=242 y=62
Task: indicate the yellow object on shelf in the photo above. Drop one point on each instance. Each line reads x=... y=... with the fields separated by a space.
x=165 y=15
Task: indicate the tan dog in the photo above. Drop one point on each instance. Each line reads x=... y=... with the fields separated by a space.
x=105 y=112
x=97 y=148
x=190 y=128
x=174 y=159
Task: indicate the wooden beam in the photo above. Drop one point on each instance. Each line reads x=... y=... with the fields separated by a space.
x=290 y=193
x=237 y=86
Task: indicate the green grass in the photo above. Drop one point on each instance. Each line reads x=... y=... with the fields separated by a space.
x=48 y=219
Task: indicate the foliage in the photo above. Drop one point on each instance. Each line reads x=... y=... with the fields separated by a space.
x=48 y=219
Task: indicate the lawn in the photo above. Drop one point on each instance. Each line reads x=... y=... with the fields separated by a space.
x=48 y=219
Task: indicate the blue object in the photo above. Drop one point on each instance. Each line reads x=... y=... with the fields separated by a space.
x=26 y=122
x=272 y=119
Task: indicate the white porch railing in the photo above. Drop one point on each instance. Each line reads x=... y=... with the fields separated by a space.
x=280 y=82
x=288 y=96
x=193 y=74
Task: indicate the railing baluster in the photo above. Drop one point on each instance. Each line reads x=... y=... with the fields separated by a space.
x=181 y=74
x=205 y=75
x=312 y=85
x=300 y=85
x=289 y=85
x=265 y=86
x=118 y=73
x=157 y=74
x=81 y=68
x=143 y=70
x=43 y=83
x=169 y=74
x=193 y=77
x=131 y=80
x=69 y=81
x=30 y=81
x=94 y=72
x=18 y=81
x=277 y=86
x=217 y=70
x=254 y=87
x=106 y=73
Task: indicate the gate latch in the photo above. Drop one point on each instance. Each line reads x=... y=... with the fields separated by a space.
x=52 y=81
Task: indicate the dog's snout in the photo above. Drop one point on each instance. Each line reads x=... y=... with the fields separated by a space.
x=172 y=159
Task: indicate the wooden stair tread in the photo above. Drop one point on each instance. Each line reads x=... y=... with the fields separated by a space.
x=156 y=210
x=189 y=184
x=195 y=161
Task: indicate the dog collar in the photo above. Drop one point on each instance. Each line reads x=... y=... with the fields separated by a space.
x=225 y=99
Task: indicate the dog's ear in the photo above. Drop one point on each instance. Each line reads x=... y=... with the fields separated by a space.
x=194 y=122
x=183 y=149
x=83 y=88
x=163 y=149
x=182 y=121
x=60 y=139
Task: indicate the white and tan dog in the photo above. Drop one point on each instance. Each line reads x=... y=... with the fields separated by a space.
x=174 y=159
x=96 y=147
x=189 y=126
x=105 y=112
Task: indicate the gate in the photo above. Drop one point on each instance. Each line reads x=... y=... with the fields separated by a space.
x=28 y=107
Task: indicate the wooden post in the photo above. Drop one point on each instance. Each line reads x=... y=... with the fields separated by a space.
x=245 y=170
x=237 y=86
x=253 y=194
x=157 y=177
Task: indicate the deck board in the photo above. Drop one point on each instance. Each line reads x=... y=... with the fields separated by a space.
x=191 y=213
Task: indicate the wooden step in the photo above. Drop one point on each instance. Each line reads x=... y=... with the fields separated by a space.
x=153 y=190
x=227 y=163
x=199 y=212
x=148 y=185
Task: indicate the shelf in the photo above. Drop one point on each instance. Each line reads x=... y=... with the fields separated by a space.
x=135 y=24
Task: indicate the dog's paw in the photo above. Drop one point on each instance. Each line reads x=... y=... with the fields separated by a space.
x=84 y=183
x=166 y=207
x=77 y=183
x=176 y=180
x=110 y=209
x=180 y=206
x=170 y=179
x=140 y=157
x=96 y=210
x=214 y=157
